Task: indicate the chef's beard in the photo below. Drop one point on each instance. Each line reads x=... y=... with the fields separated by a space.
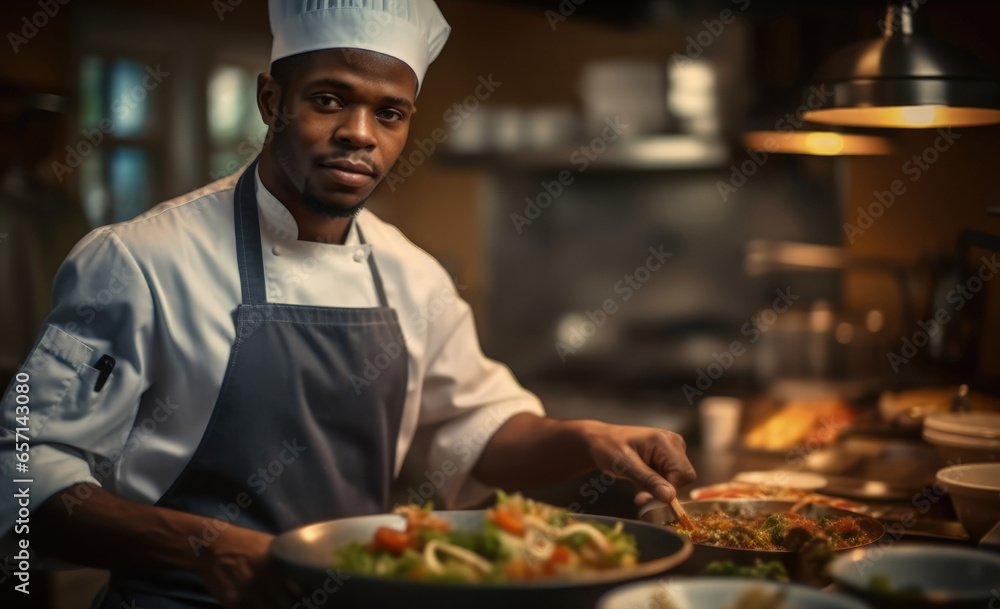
x=317 y=206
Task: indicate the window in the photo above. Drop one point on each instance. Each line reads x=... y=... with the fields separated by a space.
x=117 y=137
x=170 y=105
x=235 y=129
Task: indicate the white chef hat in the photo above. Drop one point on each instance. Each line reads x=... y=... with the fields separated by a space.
x=412 y=31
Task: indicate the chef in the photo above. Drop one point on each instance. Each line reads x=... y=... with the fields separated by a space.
x=261 y=353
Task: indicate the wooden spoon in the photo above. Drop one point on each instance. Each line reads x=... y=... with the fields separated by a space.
x=682 y=516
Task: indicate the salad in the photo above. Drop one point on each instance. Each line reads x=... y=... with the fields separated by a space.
x=520 y=539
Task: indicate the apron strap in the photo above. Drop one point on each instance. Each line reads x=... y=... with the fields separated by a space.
x=249 y=258
x=376 y=277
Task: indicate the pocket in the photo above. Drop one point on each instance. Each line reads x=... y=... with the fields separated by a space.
x=65 y=347
x=61 y=377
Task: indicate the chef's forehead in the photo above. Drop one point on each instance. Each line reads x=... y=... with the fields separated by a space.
x=412 y=31
x=347 y=66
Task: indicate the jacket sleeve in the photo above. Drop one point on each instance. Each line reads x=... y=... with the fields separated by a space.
x=466 y=398
x=74 y=433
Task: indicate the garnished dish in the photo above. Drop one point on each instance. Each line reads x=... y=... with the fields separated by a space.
x=771 y=569
x=779 y=531
x=519 y=540
x=743 y=490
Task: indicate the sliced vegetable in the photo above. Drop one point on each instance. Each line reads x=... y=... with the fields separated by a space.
x=508 y=522
x=560 y=555
x=392 y=540
x=520 y=539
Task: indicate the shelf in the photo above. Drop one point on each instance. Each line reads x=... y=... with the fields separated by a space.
x=641 y=154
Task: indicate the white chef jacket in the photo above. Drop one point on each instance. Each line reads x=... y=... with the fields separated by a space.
x=158 y=293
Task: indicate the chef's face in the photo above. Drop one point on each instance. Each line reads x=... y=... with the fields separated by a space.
x=337 y=126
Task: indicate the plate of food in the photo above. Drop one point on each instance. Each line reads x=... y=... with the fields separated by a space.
x=725 y=593
x=520 y=552
x=920 y=576
x=802 y=537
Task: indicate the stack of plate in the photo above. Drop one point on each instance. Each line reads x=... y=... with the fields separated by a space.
x=964 y=437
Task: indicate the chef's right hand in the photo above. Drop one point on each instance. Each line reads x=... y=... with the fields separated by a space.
x=240 y=574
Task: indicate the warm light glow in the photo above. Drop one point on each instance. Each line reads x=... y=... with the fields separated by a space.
x=919 y=116
x=905 y=117
x=874 y=320
x=826 y=143
x=821 y=317
x=844 y=333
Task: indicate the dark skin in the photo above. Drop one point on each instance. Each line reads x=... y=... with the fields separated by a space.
x=333 y=135
x=346 y=107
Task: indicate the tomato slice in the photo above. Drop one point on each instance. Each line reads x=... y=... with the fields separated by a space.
x=392 y=540
x=508 y=522
x=560 y=555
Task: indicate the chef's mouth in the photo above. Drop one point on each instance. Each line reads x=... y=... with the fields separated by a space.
x=346 y=173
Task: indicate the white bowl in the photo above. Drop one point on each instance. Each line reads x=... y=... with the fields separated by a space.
x=960 y=576
x=716 y=593
x=965 y=437
x=975 y=493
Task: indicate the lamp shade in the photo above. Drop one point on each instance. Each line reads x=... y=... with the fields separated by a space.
x=906 y=79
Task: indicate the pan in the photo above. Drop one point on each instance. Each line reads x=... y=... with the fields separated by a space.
x=801 y=565
x=307 y=553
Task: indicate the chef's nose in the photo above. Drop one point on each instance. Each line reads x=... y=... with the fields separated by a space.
x=357 y=128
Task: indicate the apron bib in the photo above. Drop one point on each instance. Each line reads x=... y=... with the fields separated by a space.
x=291 y=440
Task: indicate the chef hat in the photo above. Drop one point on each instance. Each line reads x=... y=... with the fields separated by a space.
x=412 y=31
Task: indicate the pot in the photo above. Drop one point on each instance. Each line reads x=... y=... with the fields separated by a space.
x=801 y=565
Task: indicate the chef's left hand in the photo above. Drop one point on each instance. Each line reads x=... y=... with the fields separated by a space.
x=652 y=459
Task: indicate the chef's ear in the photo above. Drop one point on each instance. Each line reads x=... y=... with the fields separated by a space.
x=270 y=98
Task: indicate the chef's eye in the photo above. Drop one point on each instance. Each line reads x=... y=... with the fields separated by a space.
x=391 y=115
x=327 y=101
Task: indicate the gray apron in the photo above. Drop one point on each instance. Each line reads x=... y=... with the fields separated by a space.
x=292 y=440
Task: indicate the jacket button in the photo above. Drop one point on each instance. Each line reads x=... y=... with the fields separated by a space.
x=359 y=255
x=276 y=250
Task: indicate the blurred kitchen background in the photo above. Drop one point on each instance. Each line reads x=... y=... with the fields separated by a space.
x=556 y=145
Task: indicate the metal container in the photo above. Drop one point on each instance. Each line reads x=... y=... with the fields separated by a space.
x=797 y=564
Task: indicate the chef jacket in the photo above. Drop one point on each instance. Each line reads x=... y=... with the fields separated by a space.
x=158 y=294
